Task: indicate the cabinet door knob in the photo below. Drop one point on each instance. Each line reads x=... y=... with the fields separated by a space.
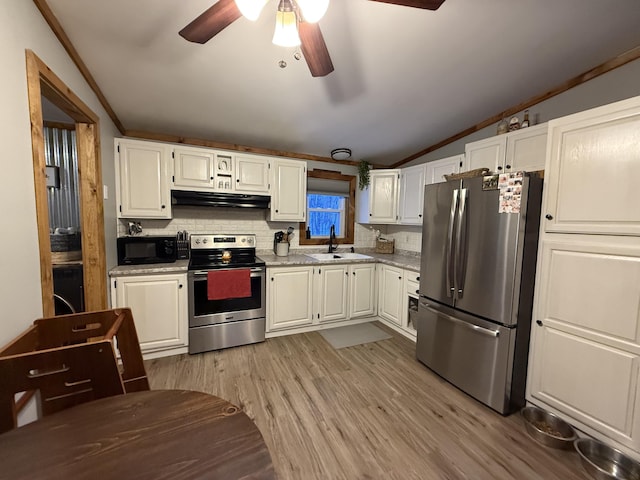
x=548 y=216
x=417 y=292
x=347 y=273
x=163 y=206
x=499 y=168
x=419 y=215
x=507 y=167
x=238 y=180
x=276 y=210
x=399 y=278
x=417 y=279
x=369 y=214
x=354 y=274
x=539 y=322
x=180 y=286
x=210 y=178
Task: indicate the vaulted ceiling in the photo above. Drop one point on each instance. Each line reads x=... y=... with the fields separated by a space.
x=404 y=78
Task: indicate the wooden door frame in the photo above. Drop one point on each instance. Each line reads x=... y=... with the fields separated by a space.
x=41 y=81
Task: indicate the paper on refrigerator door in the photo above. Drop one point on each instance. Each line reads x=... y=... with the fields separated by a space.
x=510 y=186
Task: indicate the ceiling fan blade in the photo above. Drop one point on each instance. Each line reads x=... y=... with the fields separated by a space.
x=211 y=22
x=426 y=4
x=314 y=49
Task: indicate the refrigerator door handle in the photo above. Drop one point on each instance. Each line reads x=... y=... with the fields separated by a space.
x=475 y=328
x=449 y=250
x=461 y=244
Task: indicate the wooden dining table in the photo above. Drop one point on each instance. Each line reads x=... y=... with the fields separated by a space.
x=157 y=434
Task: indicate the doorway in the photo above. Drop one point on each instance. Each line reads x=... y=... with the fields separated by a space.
x=43 y=83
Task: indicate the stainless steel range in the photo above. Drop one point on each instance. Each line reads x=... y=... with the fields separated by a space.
x=226 y=307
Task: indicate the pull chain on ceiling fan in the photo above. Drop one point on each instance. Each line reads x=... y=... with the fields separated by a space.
x=296 y=24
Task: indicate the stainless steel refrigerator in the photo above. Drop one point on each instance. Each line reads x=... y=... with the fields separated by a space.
x=476 y=286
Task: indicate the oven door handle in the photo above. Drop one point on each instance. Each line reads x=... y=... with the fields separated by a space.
x=257 y=271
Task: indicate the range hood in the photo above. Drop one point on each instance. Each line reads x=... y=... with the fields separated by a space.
x=214 y=199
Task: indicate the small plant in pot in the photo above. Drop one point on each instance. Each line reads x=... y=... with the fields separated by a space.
x=363 y=174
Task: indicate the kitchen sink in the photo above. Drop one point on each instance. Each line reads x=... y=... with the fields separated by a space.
x=338 y=256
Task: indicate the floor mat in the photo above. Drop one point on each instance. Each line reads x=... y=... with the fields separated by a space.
x=351 y=335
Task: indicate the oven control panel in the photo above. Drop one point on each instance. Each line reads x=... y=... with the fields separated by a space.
x=201 y=241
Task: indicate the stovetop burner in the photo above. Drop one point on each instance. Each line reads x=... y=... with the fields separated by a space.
x=212 y=251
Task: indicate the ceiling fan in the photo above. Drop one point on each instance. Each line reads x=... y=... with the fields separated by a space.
x=296 y=16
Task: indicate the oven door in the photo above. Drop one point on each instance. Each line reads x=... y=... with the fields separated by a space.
x=203 y=311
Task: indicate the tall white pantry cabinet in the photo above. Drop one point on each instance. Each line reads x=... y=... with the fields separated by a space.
x=585 y=342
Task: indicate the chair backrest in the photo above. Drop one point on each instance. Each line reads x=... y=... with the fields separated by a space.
x=63 y=377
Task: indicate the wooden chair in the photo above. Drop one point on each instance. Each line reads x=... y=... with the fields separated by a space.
x=71 y=359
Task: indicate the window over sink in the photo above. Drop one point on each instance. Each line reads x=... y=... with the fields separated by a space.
x=330 y=201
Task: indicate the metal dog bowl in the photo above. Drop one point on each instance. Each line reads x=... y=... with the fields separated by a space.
x=604 y=462
x=547 y=429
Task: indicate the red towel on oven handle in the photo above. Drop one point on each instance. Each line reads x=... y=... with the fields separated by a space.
x=223 y=284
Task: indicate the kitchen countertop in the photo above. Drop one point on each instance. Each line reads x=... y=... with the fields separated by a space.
x=179 y=266
x=407 y=261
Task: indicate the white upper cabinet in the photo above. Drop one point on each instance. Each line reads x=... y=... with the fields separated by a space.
x=526 y=149
x=143 y=169
x=288 y=190
x=412 y=182
x=512 y=152
x=488 y=153
x=252 y=174
x=437 y=169
x=193 y=168
x=593 y=165
x=383 y=196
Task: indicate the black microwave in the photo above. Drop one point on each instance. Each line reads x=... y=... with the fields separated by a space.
x=146 y=249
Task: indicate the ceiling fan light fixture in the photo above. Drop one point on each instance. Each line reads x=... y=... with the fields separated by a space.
x=286 y=32
x=313 y=10
x=251 y=9
x=341 y=153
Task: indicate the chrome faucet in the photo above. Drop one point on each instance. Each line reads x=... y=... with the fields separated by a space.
x=332 y=239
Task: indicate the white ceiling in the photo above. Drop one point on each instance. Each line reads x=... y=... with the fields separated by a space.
x=404 y=78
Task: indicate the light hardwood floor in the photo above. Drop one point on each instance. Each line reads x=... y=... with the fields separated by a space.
x=365 y=412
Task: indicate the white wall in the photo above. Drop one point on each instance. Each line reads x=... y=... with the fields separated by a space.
x=624 y=82
x=22 y=27
x=618 y=84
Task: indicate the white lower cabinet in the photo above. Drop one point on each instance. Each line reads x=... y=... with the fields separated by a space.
x=289 y=297
x=333 y=292
x=309 y=297
x=159 y=307
x=585 y=342
x=362 y=290
x=390 y=286
x=397 y=298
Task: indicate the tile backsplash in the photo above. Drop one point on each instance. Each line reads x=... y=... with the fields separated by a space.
x=254 y=221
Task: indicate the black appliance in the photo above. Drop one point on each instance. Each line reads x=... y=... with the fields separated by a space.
x=215 y=199
x=68 y=293
x=227 y=322
x=142 y=250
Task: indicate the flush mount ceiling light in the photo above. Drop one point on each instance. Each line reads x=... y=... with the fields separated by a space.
x=296 y=24
x=341 y=153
